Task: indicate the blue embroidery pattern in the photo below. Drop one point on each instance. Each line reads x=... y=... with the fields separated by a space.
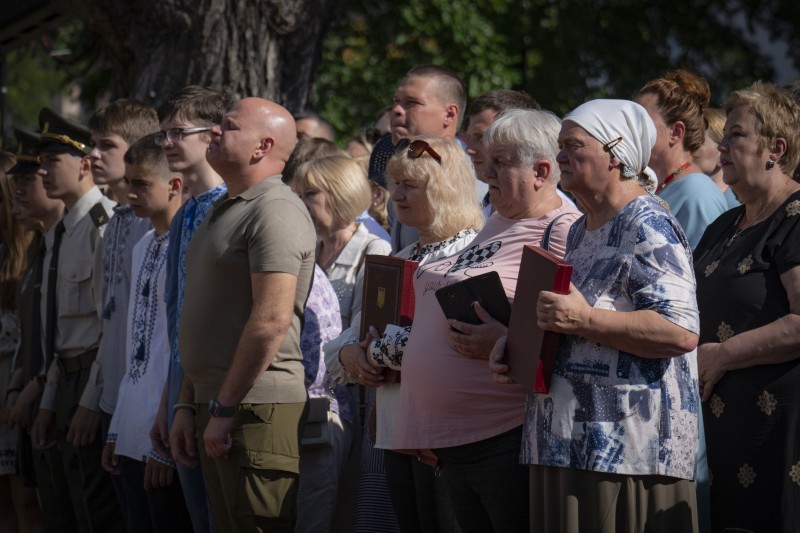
x=145 y=306
x=194 y=212
x=117 y=231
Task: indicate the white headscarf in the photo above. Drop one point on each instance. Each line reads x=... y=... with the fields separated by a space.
x=608 y=120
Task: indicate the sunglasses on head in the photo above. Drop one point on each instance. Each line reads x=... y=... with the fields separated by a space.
x=416 y=149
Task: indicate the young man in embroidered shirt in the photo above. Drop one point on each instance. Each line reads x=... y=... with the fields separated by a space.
x=70 y=325
x=155 y=193
x=114 y=128
x=186 y=121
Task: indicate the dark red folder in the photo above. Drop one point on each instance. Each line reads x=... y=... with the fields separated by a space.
x=388 y=292
x=388 y=297
x=530 y=351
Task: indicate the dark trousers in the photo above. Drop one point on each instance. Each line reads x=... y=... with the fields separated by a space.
x=160 y=510
x=420 y=499
x=192 y=483
x=488 y=487
x=93 y=498
x=116 y=480
x=52 y=487
x=25 y=459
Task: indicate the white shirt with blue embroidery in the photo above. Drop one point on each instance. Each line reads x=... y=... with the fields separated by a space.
x=608 y=410
x=147 y=352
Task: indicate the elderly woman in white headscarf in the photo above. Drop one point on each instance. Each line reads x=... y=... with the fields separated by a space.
x=612 y=445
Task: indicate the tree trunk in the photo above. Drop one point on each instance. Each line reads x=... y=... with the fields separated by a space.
x=266 y=48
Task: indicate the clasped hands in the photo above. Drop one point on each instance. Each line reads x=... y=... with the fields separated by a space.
x=355 y=361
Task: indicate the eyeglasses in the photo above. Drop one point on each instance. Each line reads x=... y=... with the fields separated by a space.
x=177 y=134
x=611 y=144
x=416 y=149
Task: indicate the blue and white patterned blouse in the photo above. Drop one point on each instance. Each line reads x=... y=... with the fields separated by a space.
x=608 y=410
x=322 y=323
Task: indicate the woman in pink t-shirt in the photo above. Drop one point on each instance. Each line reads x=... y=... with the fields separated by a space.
x=448 y=400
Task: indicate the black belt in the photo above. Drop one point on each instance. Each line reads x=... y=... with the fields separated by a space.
x=77 y=363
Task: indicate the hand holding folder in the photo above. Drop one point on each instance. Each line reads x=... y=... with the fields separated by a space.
x=388 y=292
x=531 y=351
x=388 y=297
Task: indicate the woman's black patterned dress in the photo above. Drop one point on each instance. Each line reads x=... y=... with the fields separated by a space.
x=752 y=420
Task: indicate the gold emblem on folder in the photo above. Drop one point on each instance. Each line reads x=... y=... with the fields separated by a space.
x=381 y=297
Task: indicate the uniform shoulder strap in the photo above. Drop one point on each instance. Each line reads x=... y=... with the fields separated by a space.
x=99 y=214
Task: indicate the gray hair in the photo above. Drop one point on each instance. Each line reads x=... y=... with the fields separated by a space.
x=532 y=133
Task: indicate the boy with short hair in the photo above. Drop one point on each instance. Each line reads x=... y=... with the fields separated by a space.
x=186 y=121
x=155 y=193
x=114 y=128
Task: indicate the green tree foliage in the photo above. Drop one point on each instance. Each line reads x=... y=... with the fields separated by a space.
x=65 y=63
x=373 y=43
x=33 y=82
x=562 y=52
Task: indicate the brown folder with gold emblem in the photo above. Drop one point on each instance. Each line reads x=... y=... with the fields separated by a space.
x=388 y=292
x=530 y=351
x=388 y=297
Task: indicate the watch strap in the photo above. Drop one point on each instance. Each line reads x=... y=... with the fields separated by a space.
x=217 y=409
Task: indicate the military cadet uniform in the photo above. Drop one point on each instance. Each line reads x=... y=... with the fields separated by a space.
x=32 y=464
x=29 y=353
x=72 y=329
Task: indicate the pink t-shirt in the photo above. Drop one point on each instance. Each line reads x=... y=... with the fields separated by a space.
x=447 y=399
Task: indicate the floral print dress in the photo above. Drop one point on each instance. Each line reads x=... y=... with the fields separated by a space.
x=752 y=420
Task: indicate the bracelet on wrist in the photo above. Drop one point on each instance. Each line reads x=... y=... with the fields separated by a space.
x=11 y=390
x=184 y=405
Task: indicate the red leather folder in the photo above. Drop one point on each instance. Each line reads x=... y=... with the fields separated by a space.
x=530 y=351
x=388 y=292
x=388 y=297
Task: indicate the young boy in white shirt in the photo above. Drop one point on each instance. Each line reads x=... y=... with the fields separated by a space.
x=155 y=193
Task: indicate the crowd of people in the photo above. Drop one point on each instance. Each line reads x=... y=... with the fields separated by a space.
x=181 y=339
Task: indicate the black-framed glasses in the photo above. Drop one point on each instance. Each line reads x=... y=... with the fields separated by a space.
x=611 y=144
x=177 y=134
x=416 y=149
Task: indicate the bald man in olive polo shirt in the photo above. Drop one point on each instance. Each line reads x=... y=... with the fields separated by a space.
x=248 y=272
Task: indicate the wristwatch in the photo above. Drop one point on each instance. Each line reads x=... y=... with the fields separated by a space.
x=217 y=409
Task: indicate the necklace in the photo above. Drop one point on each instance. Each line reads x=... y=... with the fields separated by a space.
x=674 y=175
x=756 y=220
